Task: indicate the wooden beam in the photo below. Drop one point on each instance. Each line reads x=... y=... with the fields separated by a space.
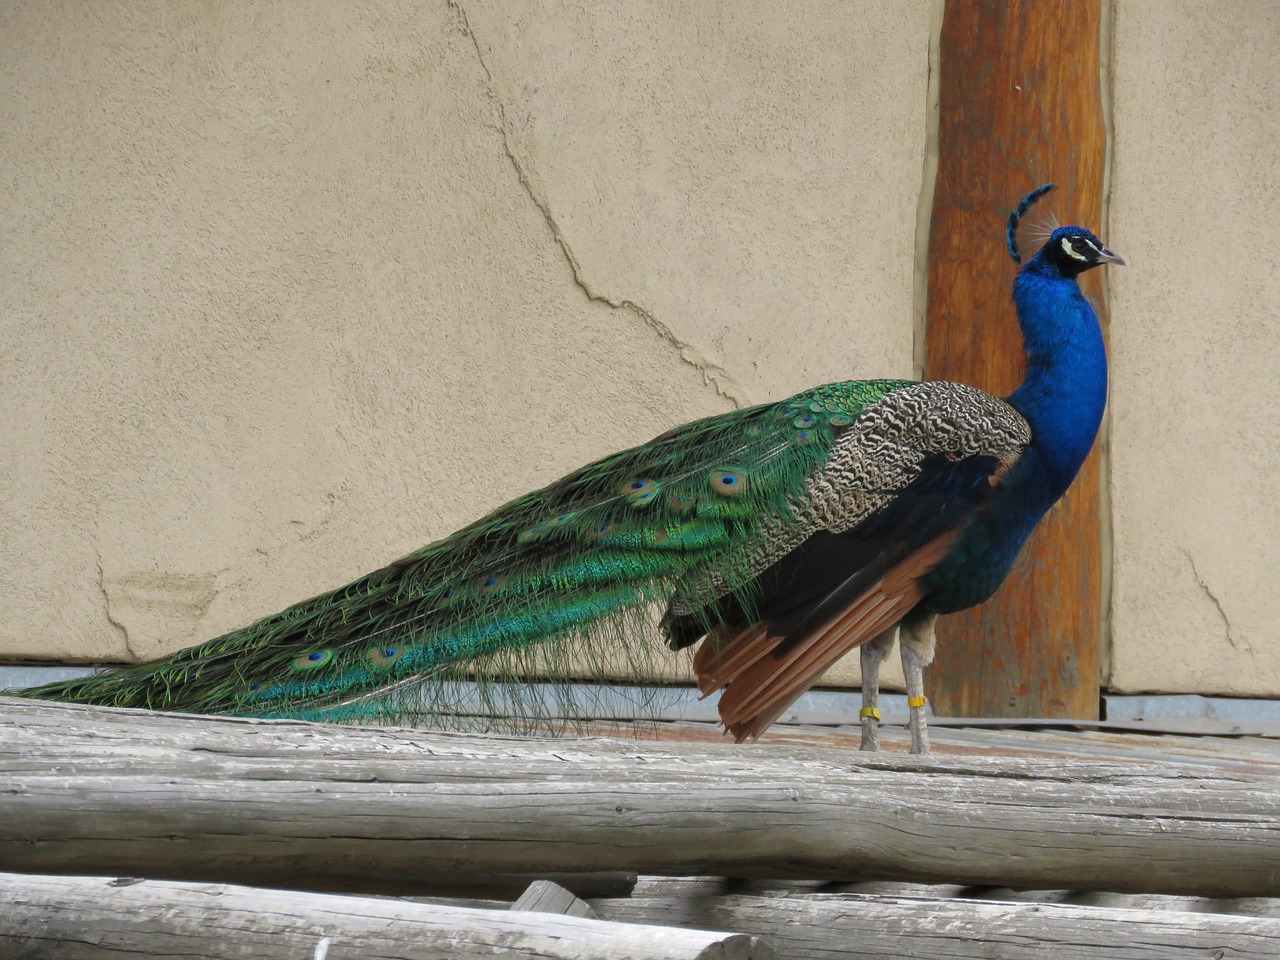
x=86 y=918
x=1020 y=104
x=101 y=791
x=856 y=926
x=806 y=920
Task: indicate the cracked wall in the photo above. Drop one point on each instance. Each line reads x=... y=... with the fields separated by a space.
x=286 y=296
x=1195 y=333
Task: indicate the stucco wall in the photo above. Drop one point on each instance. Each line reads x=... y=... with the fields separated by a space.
x=284 y=296
x=1195 y=343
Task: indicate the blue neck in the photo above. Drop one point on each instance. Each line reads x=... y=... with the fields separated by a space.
x=1062 y=399
x=1065 y=391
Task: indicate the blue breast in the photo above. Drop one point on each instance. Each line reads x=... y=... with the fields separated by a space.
x=1062 y=398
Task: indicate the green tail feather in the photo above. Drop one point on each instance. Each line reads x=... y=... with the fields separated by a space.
x=587 y=557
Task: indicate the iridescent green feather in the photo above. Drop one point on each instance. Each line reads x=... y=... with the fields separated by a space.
x=581 y=562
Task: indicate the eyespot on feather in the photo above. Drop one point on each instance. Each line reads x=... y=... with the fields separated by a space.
x=640 y=492
x=494 y=583
x=728 y=483
x=313 y=660
x=384 y=656
x=681 y=500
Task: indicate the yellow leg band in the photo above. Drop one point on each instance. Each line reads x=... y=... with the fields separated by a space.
x=869 y=712
x=916 y=701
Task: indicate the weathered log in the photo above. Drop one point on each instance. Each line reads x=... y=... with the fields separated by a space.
x=544 y=896
x=686 y=888
x=879 y=927
x=890 y=919
x=93 y=790
x=84 y=918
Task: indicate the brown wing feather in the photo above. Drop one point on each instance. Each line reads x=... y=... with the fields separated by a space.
x=726 y=653
x=761 y=686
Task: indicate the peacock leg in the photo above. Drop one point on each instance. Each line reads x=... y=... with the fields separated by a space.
x=918 y=642
x=872 y=653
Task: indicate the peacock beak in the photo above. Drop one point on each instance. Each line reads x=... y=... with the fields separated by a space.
x=1110 y=256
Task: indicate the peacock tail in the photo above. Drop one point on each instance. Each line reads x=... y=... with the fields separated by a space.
x=690 y=517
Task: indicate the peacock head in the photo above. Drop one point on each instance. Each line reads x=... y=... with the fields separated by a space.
x=1068 y=251
x=1073 y=250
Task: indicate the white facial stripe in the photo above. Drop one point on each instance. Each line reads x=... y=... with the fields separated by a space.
x=1070 y=250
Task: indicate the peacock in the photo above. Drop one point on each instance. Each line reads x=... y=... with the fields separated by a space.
x=781 y=536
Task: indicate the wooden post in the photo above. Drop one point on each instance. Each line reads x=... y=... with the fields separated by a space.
x=1020 y=105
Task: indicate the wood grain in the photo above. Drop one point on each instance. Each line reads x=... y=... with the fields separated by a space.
x=85 y=918
x=1020 y=104
x=99 y=791
x=877 y=927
